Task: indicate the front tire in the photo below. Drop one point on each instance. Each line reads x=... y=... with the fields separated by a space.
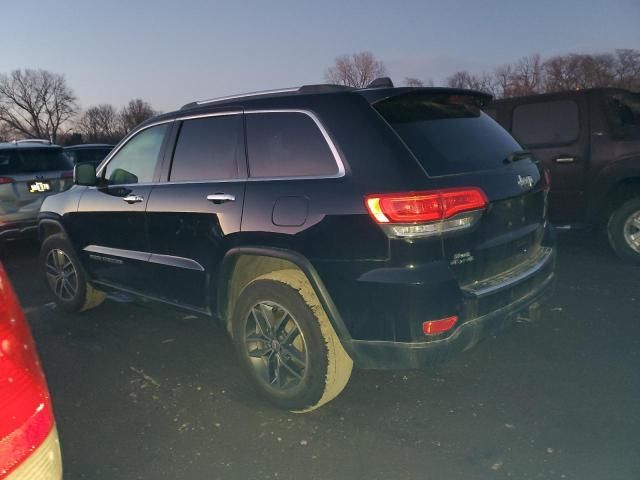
x=287 y=343
x=623 y=230
x=65 y=277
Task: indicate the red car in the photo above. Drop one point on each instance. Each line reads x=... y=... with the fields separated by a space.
x=29 y=447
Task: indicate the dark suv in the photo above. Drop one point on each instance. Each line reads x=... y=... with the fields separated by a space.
x=590 y=142
x=324 y=225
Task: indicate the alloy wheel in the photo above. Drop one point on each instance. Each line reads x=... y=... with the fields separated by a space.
x=276 y=346
x=632 y=231
x=61 y=274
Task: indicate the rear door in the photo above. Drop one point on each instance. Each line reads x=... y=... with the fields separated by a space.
x=195 y=211
x=109 y=226
x=557 y=132
x=28 y=176
x=459 y=146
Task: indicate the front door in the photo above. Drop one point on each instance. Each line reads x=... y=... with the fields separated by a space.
x=193 y=214
x=552 y=130
x=110 y=222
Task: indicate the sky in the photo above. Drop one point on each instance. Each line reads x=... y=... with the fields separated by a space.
x=171 y=52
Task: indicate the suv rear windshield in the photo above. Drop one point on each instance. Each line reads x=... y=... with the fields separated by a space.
x=16 y=161
x=448 y=133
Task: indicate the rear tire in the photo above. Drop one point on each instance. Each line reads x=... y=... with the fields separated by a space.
x=65 y=277
x=287 y=343
x=623 y=230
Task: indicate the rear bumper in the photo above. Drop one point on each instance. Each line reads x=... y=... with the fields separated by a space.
x=483 y=315
x=45 y=463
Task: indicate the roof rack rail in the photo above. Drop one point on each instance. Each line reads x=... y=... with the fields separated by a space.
x=315 y=88
x=33 y=140
x=324 y=88
x=381 y=82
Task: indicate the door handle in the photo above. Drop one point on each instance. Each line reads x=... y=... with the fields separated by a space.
x=131 y=198
x=563 y=159
x=219 y=198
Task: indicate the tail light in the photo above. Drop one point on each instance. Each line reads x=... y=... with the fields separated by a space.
x=434 y=327
x=417 y=214
x=4 y=180
x=25 y=409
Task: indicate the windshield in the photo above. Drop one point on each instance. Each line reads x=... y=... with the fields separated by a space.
x=448 y=134
x=33 y=160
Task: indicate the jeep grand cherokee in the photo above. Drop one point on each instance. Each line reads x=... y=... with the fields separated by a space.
x=325 y=226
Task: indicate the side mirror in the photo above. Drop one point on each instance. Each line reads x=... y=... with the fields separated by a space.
x=84 y=174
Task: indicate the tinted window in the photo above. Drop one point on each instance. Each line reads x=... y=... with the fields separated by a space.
x=90 y=155
x=208 y=149
x=448 y=134
x=136 y=161
x=546 y=123
x=624 y=112
x=287 y=145
x=33 y=160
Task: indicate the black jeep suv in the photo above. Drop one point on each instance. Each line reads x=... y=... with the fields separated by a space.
x=324 y=225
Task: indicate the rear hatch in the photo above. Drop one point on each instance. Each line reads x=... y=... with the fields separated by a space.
x=459 y=146
x=27 y=176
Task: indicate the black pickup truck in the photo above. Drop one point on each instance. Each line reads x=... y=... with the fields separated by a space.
x=589 y=141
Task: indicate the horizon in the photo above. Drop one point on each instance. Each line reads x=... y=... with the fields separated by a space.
x=175 y=42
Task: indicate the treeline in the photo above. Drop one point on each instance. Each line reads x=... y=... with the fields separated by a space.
x=533 y=74
x=40 y=104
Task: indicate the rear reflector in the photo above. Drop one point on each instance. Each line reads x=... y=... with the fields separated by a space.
x=433 y=327
x=419 y=207
x=25 y=409
x=6 y=180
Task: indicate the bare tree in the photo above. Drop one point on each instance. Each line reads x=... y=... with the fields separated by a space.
x=527 y=77
x=36 y=103
x=355 y=70
x=413 y=82
x=5 y=132
x=464 y=79
x=100 y=124
x=134 y=113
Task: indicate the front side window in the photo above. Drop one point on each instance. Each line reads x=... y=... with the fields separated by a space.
x=136 y=161
x=546 y=123
x=208 y=149
x=287 y=144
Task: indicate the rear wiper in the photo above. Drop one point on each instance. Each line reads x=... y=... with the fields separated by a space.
x=517 y=155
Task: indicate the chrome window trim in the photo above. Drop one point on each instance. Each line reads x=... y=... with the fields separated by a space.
x=332 y=147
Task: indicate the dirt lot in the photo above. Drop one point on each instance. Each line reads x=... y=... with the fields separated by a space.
x=146 y=392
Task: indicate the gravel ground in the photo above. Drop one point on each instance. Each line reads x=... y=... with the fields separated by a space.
x=143 y=391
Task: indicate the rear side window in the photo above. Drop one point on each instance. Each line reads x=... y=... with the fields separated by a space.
x=546 y=123
x=208 y=149
x=33 y=160
x=287 y=144
x=448 y=134
x=623 y=109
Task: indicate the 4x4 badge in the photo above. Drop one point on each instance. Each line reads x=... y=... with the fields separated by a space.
x=526 y=181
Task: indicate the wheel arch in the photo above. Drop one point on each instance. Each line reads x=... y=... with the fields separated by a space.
x=50 y=225
x=618 y=193
x=241 y=265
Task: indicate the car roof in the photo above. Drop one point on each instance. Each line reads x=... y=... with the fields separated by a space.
x=88 y=146
x=28 y=146
x=275 y=98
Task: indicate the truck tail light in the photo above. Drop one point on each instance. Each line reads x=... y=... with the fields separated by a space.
x=434 y=327
x=4 y=180
x=416 y=214
x=26 y=418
